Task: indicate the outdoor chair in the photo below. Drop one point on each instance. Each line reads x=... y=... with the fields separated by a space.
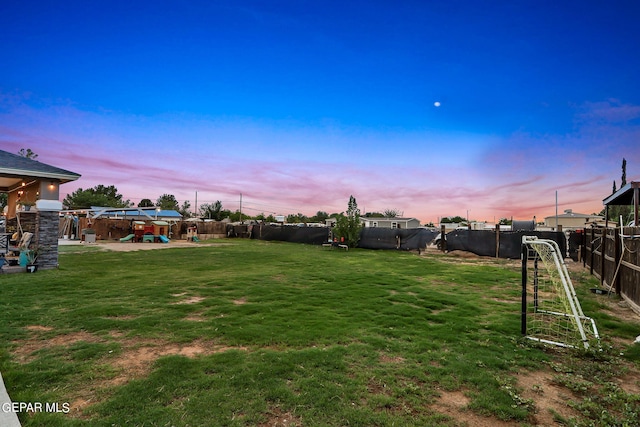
x=23 y=244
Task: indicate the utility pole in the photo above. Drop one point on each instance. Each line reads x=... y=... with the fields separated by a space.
x=241 y=220
x=196 y=207
x=556 y=210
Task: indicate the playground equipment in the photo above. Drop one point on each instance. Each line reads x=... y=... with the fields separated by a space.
x=192 y=234
x=138 y=230
x=142 y=232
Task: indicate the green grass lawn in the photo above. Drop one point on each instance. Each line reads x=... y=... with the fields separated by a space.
x=253 y=333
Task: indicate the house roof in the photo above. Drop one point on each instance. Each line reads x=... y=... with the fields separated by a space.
x=377 y=219
x=391 y=219
x=574 y=215
x=14 y=169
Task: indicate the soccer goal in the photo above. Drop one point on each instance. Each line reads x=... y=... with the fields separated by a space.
x=551 y=312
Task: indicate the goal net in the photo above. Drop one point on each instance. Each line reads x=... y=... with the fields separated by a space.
x=551 y=312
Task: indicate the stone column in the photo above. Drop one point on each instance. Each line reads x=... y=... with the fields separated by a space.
x=47 y=233
x=47 y=239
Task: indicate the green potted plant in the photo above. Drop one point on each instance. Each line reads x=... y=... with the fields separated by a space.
x=32 y=257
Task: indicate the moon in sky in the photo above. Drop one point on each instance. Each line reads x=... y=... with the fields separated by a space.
x=436 y=104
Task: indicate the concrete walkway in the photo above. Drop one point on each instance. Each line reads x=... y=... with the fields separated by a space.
x=7 y=418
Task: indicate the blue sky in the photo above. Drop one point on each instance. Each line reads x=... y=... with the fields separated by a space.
x=299 y=104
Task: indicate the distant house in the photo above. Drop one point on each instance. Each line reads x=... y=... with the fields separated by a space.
x=391 y=222
x=382 y=222
x=570 y=220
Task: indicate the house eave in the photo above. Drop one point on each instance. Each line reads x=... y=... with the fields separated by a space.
x=22 y=173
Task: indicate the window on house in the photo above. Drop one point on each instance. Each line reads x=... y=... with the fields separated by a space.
x=394 y=225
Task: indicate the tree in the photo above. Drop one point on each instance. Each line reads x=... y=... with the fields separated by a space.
x=96 y=196
x=214 y=211
x=374 y=215
x=348 y=226
x=237 y=216
x=185 y=209
x=145 y=203
x=320 y=217
x=3 y=200
x=27 y=153
x=391 y=213
x=615 y=211
x=167 y=202
x=452 y=220
x=297 y=218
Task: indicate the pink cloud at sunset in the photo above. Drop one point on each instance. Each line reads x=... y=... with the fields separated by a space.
x=290 y=170
x=517 y=180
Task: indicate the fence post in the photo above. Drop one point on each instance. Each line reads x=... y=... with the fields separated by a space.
x=583 y=248
x=443 y=238
x=603 y=246
x=591 y=255
x=523 y=303
x=497 y=240
x=616 y=256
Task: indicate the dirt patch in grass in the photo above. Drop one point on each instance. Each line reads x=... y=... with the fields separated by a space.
x=24 y=352
x=454 y=404
x=376 y=386
x=240 y=301
x=190 y=300
x=508 y=301
x=620 y=309
x=138 y=355
x=630 y=382
x=134 y=361
x=38 y=328
x=279 y=418
x=385 y=358
x=548 y=398
x=195 y=317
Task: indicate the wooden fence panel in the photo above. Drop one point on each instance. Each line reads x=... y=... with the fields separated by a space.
x=609 y=258
x=615 y=260
x=593 y=247
x=630 y=264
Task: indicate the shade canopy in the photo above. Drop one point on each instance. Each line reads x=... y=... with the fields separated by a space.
x=627 y=195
